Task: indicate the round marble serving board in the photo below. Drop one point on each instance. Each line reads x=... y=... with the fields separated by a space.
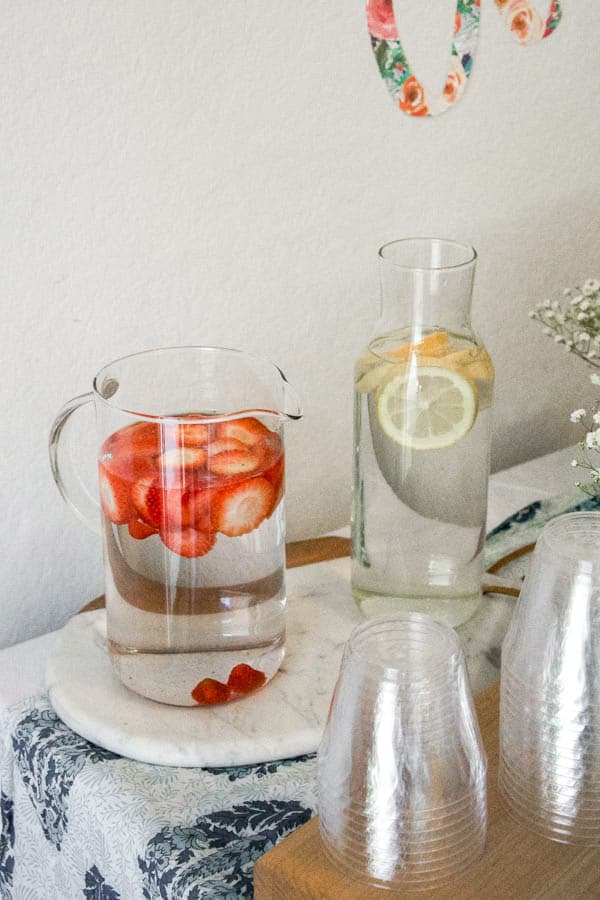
x=284 y=719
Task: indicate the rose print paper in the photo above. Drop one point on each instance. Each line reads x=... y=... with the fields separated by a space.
x=520 y=16
x=526 y=23
x=402 y=83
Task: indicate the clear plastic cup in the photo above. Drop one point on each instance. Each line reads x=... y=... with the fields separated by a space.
x=401 y=766
x=550 y=687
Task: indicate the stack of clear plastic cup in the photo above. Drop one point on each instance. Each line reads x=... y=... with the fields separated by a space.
x=549 y=773
x=401 y=766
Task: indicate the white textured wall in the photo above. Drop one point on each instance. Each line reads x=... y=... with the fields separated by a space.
x=175 y=171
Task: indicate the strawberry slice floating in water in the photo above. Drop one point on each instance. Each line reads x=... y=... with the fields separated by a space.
x=188 y=508
x=197 y=508
x=114 y=496
x=188 y=542
x=248 y=430
x=276 y=475
x=240 y=460
x=148 y=501
x=140 y=439
x=195 y=434
x=177 y=458
x=140 y=530
x=240 y=508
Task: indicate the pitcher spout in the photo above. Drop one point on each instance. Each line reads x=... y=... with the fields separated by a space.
x=291 y=402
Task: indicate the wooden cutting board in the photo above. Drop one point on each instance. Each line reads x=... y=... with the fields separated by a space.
x=516 y=864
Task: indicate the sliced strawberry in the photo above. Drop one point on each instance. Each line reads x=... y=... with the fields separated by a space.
x=114 y=496
x=187 y=541
x=243 y=679
x=140 y=530
x=148 y=501
x=234 y=462
x=270 y=449
x=221 y=445
x=248 y=430
x=188 y=508
x=195 y=434
x=240 y=508
x=140 y=439
x=131 y=468
x=210 y=691
x=177 y=458
x=276 y=475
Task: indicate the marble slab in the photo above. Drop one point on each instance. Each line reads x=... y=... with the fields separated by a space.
x=283 y=720
x=286 y=718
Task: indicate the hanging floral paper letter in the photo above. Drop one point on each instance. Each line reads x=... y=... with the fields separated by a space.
x=405 y=88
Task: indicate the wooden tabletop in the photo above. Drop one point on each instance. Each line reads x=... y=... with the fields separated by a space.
x=516 y=864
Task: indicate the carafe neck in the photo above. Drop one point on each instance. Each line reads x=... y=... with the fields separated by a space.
x=426 y=284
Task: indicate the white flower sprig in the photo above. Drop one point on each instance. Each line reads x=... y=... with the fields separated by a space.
x=574 y=322
x=589 y=448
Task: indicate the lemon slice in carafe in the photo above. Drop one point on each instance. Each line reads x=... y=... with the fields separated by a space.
x=427 y=407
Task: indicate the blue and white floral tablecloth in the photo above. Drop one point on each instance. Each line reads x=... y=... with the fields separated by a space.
x=77 y=821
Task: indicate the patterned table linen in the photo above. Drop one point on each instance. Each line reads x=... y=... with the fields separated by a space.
x=77 y=821
x=80 y=822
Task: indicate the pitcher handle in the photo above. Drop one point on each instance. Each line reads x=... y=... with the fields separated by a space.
x=66 y=476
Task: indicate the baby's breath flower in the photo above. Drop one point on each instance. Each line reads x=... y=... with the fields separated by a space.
x=595 y=379
x=574 y=320
x=591 y=439
x=591 y=286
x=577 y=415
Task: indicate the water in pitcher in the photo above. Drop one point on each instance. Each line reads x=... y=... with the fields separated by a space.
x=422 y=434
x=194 y=548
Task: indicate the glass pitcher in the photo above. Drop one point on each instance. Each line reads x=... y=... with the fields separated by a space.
x=422 y=427
x=191 y=487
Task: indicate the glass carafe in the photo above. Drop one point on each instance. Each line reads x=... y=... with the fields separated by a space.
x=422 y=427
x=191 y=481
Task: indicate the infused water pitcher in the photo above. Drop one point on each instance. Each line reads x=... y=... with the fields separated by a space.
x=190 y=462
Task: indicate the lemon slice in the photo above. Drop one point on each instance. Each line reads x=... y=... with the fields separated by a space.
x=427 y=407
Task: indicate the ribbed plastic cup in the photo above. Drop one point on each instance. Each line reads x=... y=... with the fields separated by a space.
x=401 y=766
x=549 y=772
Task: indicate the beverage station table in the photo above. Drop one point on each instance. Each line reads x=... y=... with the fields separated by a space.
x=79 y=820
